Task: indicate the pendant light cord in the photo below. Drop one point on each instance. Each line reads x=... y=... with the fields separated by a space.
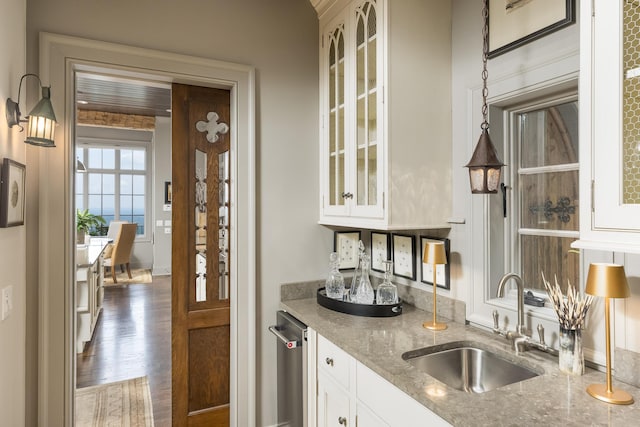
x=485 y=74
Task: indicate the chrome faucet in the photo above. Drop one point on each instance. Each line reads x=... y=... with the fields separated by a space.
x=520 y=327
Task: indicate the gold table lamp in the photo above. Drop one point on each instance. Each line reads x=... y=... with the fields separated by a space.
x=435 y=255
x=608 y=281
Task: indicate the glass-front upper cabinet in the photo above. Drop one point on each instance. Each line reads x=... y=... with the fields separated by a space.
x=350 y=55
x=385 y=114
x=610 y=125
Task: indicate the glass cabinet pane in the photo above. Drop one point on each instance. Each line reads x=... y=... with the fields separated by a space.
x=336 y=137
x=631 y=103
x=366 y=105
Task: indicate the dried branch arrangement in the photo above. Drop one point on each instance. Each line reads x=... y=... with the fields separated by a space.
x=571 y=310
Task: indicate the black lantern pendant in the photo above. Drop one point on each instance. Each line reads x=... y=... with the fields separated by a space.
x=484 y=166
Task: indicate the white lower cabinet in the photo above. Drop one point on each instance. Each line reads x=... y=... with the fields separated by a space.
x=350 y=394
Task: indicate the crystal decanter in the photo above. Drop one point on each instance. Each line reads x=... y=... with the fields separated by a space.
x=334 y=286
x=357 y=273
x=364 y=291
x=387 y=292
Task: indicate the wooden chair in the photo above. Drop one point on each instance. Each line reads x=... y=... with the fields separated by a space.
x=121 y=250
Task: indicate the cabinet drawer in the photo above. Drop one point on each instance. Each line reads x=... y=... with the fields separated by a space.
x=334 y=361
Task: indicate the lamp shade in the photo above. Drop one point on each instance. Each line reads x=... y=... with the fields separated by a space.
x=435 y=253
x=607 y=280
x=42 y=122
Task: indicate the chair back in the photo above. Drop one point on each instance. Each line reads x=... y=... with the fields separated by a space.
x=114 y=229
x=123 y=244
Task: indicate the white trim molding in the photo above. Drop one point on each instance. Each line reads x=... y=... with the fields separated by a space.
x=60 y=58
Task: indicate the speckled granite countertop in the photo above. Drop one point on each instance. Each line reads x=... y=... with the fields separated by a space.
x=551 y=399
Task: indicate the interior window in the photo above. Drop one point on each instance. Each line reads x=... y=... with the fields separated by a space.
x=114 y=185
x=539 y=216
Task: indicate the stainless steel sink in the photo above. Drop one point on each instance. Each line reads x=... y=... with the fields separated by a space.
x=469 y=366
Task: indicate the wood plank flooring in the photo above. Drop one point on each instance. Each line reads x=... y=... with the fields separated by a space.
x=132 y=339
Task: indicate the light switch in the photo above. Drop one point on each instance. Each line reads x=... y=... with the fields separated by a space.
x=158 y=223
x=7 y=301
x=167 y=230
x=167 y=223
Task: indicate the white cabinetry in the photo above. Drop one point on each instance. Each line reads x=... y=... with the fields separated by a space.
x=89 y=289
x=350 y=394
x=385 y=103
x=609 y=126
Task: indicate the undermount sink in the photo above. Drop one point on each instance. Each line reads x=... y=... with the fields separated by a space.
x=468 y=366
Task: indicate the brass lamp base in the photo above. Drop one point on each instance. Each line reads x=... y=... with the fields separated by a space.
x=434 y=326
x=617 y=397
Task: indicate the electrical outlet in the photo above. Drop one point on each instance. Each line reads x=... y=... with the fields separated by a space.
x=7 y=301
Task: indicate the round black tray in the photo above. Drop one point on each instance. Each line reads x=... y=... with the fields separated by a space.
x=367 y=310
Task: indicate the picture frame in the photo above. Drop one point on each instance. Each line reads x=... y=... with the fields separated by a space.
x=380 y=250
x=443 y=271
x=514 y=23
x=168 y=193
x=345 y=243
x=404 y=256
x=12 y=197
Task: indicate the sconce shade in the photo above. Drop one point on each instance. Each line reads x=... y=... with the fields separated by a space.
x=484 y=167
x=607 y=280
x=80 y=167
x=42 y=122
x=435 y=254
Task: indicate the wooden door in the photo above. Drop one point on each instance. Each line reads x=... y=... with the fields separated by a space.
x=200 y=269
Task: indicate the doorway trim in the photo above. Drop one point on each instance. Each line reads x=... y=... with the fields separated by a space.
x=60 y=57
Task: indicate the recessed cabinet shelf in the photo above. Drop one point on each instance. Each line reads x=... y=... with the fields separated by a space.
x=394 y=130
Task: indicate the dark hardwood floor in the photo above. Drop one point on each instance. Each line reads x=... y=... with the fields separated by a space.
x=133 y=339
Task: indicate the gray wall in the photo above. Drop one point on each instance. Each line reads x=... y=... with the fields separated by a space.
x=280 y=39
x=161 y=174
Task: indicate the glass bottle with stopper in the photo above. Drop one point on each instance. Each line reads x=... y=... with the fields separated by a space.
x=364 y=291
x=357 y=272
x=334 y=286
x=387 y=292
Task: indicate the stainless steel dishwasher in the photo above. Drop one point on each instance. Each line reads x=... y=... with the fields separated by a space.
x=292 y=369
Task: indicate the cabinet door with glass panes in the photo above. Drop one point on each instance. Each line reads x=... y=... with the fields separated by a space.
x=351 y=175
x=610 y=125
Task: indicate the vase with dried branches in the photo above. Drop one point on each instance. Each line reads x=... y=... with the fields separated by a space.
x=571 y=310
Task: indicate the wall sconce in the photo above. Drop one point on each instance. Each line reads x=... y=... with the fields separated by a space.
x=41 y=120
x=608 y=281
x=484 y=166
x=80 y=167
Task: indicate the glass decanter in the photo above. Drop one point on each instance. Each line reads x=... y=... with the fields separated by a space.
x=387 y=292
x=364 y=291
x=357 y=273
x=334 y=286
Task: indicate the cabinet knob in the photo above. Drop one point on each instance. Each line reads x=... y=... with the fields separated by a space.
x=329 y=361
x=347 y=195
x=342 y=421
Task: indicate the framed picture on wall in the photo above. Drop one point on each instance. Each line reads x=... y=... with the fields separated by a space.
x=345 y=243
x=442 y=270
x=513 y=23
x=12 y=187
x=379 y=250
x=404 y=256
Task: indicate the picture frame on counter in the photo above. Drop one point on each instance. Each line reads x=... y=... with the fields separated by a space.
x=345 y=243
x=12 y=197
x=404 y=256
x=443 y=276
x=380 y=250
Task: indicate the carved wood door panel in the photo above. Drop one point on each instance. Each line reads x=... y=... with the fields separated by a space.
x=200 y=265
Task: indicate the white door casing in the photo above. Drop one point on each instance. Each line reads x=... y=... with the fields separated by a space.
x=60 y=57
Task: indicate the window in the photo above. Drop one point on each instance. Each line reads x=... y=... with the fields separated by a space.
x=115 y=185
x=540 y=215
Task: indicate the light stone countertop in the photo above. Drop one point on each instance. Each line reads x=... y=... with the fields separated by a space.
x=551 y=399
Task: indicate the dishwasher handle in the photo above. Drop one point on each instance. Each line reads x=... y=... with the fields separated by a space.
x=290 y=344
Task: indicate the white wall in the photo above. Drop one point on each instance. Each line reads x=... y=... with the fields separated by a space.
x=13 y=239
x=278 y=38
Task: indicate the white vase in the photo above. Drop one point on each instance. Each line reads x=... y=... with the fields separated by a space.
x=570 y=354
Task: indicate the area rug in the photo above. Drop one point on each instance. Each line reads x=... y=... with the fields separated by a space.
x=119 y=404
x=137 y=276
